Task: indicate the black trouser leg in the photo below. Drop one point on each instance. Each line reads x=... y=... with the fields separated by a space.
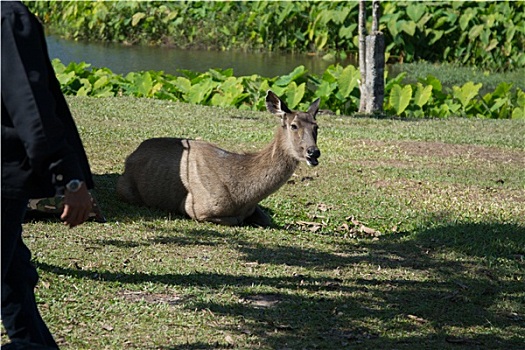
x=20 y=314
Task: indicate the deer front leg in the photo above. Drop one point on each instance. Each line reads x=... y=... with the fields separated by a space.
x=258 y=218
x=225 y=220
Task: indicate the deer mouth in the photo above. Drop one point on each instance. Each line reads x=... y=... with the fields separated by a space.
x=312 y=153
x=312 y=161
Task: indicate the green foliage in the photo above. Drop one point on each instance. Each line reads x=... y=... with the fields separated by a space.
x=485 y=34
x=400 y=98
x=337 y=87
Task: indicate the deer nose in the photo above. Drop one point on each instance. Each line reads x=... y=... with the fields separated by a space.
x=313 y=152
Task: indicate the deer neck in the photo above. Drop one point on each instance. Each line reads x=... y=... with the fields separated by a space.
x=270 y=168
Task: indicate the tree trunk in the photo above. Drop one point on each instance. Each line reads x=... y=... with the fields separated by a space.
x=362 y=54
x=375 y=72
x=376 y=14
x=371 y=61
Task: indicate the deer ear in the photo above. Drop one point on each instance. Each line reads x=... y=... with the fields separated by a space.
x=275 y=105
x=314 y=107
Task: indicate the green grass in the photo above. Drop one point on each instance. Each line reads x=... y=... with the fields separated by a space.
x=452 y=74
x=440 y=265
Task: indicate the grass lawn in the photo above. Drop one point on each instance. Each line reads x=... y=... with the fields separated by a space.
x=408 y=235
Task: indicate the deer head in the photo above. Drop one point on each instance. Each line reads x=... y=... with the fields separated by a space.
x=299 y=128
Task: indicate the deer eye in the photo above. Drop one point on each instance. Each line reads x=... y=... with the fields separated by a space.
x=294 y=127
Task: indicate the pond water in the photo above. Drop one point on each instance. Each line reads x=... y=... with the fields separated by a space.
x=123 y=59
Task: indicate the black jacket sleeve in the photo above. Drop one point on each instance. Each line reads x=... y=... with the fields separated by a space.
x=50 y=141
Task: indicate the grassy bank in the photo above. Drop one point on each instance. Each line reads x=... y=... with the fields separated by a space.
x=408 y=234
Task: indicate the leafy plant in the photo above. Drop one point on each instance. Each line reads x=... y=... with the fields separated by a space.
x=337 y=87
x=485 y=34
x=400 y=98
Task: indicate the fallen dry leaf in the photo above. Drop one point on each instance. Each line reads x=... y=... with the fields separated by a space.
x=323 y=207
x=107 y=327
x=228 y=339
x=311 y=225
x=417 y=319
x=369 y=231
x=263 y=300
x=358 y=228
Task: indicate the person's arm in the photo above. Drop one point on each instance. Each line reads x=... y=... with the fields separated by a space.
x=31 y=106
x=77 y=206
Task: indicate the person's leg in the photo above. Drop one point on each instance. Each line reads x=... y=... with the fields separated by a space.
x=20 y=315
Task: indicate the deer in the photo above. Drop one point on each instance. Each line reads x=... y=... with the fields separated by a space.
x=197 y=179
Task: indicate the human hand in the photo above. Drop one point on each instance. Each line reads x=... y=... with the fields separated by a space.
x=77 y=206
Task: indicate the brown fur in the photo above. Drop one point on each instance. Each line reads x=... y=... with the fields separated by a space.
x=206 y=183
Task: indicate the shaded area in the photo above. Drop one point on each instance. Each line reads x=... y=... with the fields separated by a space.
x=318 y=310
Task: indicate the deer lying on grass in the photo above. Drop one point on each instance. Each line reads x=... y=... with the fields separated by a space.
x=206 y=183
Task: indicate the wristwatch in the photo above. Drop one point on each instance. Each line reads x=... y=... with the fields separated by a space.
x=73 y=185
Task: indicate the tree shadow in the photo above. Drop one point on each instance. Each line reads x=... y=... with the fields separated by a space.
x=115 y=209
x=463 y=271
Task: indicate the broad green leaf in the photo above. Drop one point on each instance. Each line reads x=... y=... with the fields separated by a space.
x=221 y=75
x=432 y=80
x=422 y=94
x=475 y=31
x=466 y=93
x=325 y=90
x=415 y=11
x=421 y=24
x=392 y=26
x=331 y=73
x=136 y=18
x=106 y=92
x=156 y=88
x=498 y=103
x=348 y=80
x=85 y=89
x=453 y=107
x=400 y=98
x=228 y=93
x=199 y=93
x=294 y=94
x=182 y=84
x=502 y=89
x=297 y=73
x=347 y=32
x=493 y=43
x=437 y=35
x=395 y=81
x=278 y=90
x=465 y=19
x=58 y=66
x=102 y=81
x=339 y=16
x=320 y=40
x=518 y=113
x=520 y=98
x=65 y=78
x=144 y=83
x=408 y=27
x=484 y=37
x=265 y=86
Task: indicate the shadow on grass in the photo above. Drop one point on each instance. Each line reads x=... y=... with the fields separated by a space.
x=113 y=208
x=438 y=288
